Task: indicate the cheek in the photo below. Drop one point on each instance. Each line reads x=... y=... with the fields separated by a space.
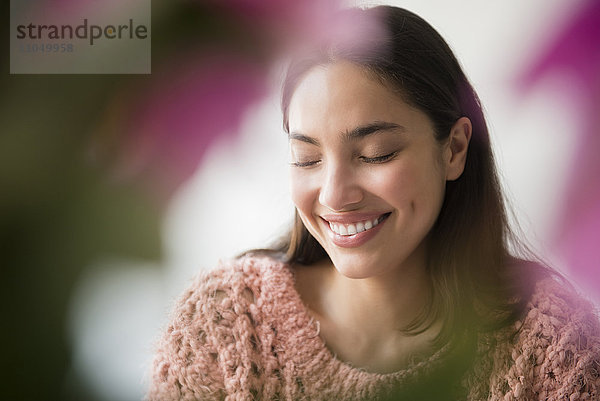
x=395 y=184
x=410 y=185
x=303 y=192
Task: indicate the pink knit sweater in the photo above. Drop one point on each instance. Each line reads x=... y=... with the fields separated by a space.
x=241 y=332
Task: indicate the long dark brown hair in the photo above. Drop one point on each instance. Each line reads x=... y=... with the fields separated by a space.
x=474 y=279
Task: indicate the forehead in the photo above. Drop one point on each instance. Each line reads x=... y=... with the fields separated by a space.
x=341 y=96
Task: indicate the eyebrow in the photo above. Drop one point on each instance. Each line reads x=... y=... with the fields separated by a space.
x=356 y=133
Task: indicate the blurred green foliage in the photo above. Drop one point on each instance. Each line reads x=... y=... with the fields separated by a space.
x=61 y=209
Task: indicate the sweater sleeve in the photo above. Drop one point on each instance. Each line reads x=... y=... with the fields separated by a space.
x=557 y=355
x=186 y=363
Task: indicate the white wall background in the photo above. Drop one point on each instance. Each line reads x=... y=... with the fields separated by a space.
x=238 y=198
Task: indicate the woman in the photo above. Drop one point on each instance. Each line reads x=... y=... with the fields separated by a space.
x=396 y=280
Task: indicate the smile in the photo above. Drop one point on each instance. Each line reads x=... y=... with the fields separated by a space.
x=351 y=231
x=354 y=228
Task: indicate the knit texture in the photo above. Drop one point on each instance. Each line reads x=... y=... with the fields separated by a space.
x=241 y=332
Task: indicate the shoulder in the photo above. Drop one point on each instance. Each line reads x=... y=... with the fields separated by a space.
x=237 y=276
x=556 y=353
x=558 y=316
x=236 y=281
x=198 y=355
x=233 y=285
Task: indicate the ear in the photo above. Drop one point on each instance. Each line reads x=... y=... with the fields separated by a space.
x=455 y=154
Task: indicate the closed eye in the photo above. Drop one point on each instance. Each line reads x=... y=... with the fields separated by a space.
x=304 y=164
x=378 y=159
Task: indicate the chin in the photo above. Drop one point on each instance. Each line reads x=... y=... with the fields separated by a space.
x=354 y=268
x=354 y=274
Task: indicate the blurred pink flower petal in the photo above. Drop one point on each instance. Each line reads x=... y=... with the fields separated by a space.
x=576 y=51
x=291 y=26
x=187 y=108
x=576 y=54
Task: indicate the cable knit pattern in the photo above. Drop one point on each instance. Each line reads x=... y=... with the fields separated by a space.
x=241 y=332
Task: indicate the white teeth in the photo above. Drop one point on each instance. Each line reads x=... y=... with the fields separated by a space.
x=351 y=229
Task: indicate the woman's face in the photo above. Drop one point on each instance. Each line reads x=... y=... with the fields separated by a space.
x=367 y=174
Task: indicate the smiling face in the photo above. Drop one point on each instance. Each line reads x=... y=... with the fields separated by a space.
x=367 y=174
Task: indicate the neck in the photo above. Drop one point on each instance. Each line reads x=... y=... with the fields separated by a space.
x=362 y=319
x=378 y=307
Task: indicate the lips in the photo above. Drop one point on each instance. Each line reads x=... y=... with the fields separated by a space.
x=352 y=230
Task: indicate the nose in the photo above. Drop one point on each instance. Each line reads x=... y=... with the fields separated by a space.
x=340 y=189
